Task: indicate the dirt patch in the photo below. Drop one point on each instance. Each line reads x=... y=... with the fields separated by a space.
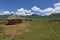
x=15 y=29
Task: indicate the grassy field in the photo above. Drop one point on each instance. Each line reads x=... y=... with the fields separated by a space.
x=37 y=29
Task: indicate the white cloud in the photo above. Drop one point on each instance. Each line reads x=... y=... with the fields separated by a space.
x=12 y=12
x=38 y=11
x=35 y=8
x=24 y=12
x=57 y=4
x=1 y=13
x=57 y=10
x=57 y=7
x=48 y=11
x=21 y=10
x=5 y=13
x=28 y=12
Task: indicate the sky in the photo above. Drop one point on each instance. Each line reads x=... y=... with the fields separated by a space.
x=29 y=7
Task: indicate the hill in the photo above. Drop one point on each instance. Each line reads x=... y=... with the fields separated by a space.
x=57 y=15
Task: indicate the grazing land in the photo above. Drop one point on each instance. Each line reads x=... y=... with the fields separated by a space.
x=34 y=28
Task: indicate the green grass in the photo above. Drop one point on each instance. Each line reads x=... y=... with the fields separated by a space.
x=1 y=30
x=40 y=29
x=3 y=21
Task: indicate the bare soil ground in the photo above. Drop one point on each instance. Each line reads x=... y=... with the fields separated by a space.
x=15 y=29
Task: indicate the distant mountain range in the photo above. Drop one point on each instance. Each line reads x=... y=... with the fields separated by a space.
x=57 y=15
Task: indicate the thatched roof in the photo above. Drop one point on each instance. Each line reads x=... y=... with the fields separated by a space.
x=14 y=16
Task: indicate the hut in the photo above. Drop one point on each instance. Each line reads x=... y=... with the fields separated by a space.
x=14 y=19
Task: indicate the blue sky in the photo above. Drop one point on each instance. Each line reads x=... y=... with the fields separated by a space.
x=13 y=5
